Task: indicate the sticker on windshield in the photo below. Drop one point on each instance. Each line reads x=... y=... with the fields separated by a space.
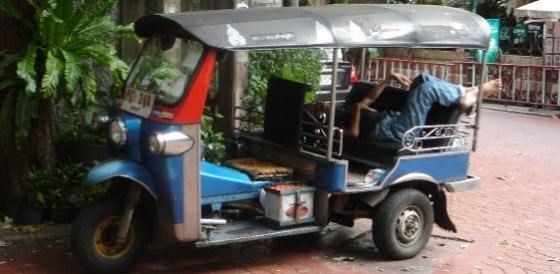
x=138 y=102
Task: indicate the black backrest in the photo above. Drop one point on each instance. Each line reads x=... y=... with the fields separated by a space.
x=390 y=99
x=283 y=111
x=393 y=98
x=442 y=115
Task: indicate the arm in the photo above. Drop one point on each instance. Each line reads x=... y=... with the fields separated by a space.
x=353 y=127
x=373 y=94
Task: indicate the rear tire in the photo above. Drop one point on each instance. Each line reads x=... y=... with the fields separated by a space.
x=93 y=238
x=402 y=224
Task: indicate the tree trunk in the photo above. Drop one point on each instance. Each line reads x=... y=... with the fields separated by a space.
x=19 y=157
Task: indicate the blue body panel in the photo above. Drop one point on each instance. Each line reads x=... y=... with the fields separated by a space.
x=122 y=169
x=331 y=176
x=442 y=167
x=166 y=170
x=227 y=183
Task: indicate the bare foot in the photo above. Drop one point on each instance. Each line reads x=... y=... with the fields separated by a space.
x=471 y=93
x=401 y=79
x=491 y=87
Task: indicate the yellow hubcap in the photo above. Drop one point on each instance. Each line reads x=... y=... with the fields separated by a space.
x=105 y=239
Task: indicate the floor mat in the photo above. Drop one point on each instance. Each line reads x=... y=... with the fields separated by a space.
x=259 y=169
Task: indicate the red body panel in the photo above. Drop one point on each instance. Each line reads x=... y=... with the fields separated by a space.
x=190 y=109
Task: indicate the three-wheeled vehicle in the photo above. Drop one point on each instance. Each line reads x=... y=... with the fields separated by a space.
x=300 y=172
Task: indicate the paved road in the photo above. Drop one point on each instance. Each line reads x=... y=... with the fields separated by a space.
x=508 y=225
x=513 y=215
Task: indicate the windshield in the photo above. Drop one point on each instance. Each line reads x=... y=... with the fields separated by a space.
x=165 y=67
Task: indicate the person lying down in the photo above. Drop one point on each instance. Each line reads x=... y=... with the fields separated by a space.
x=424 y=91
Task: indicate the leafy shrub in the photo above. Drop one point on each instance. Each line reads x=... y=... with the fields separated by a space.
x=61 y=187
x=71 y=40
x=302 y=65
x=214 y=142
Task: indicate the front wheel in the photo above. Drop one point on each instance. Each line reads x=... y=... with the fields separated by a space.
x=94 y=234
x=402 y=224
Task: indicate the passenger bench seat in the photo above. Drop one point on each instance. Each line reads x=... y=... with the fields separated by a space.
x=385 y=152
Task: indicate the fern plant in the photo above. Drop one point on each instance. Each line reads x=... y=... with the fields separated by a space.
x=70 y=39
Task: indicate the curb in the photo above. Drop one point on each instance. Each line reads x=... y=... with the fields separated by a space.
x=47 y=233
x=526 y=111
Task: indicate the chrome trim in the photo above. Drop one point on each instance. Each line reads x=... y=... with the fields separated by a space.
x=213 y=221
x=413 y=138
x=123 y=131
x=340 y=141
x=415 y=176
x=170 y=143
x=334 y=82
x=242 y=234
x=470 y=183
x=319 y=135
x=100 y=121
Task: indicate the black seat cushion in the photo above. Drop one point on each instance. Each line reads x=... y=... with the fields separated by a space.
x=391 y=98
x=368 y=150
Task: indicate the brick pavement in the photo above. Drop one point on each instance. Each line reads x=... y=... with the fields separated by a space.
x=511 y=219
x=514 y=210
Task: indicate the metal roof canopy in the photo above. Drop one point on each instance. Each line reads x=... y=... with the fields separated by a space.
x=334 y=26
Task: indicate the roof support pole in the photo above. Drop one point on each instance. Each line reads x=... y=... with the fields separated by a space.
x=232 y=80
x=363 y=64
x=334 y=84
x=479 y=101
x=474 y=4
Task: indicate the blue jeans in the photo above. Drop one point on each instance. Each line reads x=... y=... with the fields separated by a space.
x=425 y=90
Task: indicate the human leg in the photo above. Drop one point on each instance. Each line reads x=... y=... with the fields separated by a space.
x=429 y=89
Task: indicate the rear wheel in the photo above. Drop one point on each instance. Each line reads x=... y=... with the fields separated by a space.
x=94 y=234
x=402 y=224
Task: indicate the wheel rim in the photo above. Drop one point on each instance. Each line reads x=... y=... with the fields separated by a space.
x=409 y=225
x=104 y=239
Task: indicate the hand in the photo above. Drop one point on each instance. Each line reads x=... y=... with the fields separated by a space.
x=405 y=81
x=362 y=106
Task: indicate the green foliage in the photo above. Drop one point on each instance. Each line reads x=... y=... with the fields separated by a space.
x=75 y=125
x=70 y=38
x=214 y=142
x=485 y=8
x=492 y=9
x=61 y=187
x=303 y=65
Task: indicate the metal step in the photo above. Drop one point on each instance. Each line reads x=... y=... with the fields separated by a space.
x=246 y=231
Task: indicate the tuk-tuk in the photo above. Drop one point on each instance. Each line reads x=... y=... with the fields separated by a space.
x=297 y=175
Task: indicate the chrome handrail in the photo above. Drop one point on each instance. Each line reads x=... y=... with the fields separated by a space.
x=413 y=139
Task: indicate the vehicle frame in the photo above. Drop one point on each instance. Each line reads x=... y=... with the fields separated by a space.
x=161 y=185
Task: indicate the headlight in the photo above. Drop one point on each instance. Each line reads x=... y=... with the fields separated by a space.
x=117 y=131
x=99 y=121
x=170 y=143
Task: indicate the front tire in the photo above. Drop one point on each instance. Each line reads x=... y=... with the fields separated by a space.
x=402 y=224
x=94 y=238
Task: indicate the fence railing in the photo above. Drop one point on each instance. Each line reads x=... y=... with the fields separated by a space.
x=532 y=85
